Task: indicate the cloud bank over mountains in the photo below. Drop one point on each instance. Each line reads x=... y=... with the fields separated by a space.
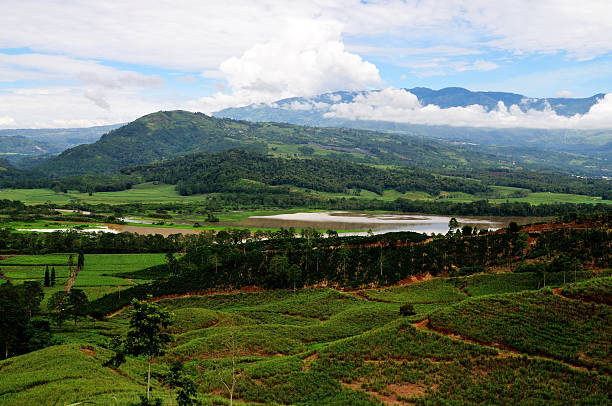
x=399 y=105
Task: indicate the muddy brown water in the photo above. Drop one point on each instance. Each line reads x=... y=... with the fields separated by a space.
x=342 y=220
x=345 y=220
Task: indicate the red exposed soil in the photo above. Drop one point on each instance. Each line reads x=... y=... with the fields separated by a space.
x=406 y=390
x=88 y=351
x=416 y=278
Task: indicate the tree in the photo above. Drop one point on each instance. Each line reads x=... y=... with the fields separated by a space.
x=32 y=294
x=47 y=280
x=466 y=230
x=53 y=276
x=81 y=260
x=295 y=273
x=58 y=306
x=332 y=233
x=177 y=379
x=407 y=310
x=171 y=262
x=453 y=224
x=13 y=320
x=230 y=381
x=77 y=304
x=146 y=336
x=513 y=227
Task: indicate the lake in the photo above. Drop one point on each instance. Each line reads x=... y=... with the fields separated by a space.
x=378 y=223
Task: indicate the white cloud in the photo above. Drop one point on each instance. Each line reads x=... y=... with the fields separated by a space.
x=195 y=35
x=399 y=105
x=308 y=59
x=7 y=122
x=263 y=50
x=478 y=65
x=564 y=94
x=86 y=92
x=58 y=107
x=58 y=67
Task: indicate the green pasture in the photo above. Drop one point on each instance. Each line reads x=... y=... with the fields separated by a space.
x=161 y=193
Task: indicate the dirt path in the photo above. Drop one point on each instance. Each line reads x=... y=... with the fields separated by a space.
x=72 y=279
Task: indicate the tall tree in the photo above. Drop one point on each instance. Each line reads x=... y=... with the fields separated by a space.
x=77 y=304
x=32 y=295
x=146 y=336
x=13 y=320
x=47 y=280
x=53 y=276
x=58 y=306
x=81 y=260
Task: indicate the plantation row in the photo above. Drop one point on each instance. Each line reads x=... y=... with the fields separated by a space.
x=538 y=323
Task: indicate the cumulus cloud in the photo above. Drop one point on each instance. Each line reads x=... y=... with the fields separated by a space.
x=308 y=59
x=257 y=51
x=399 y=105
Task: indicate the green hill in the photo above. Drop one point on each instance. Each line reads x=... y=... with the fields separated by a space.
x=227 y=171
x=170 y=134
x=164 y=135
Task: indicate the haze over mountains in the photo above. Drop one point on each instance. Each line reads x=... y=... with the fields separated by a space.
x=17 y=144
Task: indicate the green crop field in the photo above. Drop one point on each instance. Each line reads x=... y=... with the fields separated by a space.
x=98 y=276
x=161 y=193
x=439 y=290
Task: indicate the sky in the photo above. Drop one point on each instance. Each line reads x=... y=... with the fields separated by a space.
x=75 y=63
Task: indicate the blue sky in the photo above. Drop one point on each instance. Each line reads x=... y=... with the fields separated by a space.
x=70 y=63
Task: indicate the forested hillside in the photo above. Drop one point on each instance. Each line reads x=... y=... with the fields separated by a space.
x=224 y=172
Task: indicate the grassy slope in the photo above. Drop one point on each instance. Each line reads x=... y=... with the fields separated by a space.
x=321 y=346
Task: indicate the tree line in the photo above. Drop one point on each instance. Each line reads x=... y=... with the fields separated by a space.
x=289 y=262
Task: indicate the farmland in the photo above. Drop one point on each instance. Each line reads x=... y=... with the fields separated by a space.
x=98 y=277
x=162 y=193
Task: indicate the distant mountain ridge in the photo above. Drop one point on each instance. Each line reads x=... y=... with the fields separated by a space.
x=444 y=98
x=16 y=145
